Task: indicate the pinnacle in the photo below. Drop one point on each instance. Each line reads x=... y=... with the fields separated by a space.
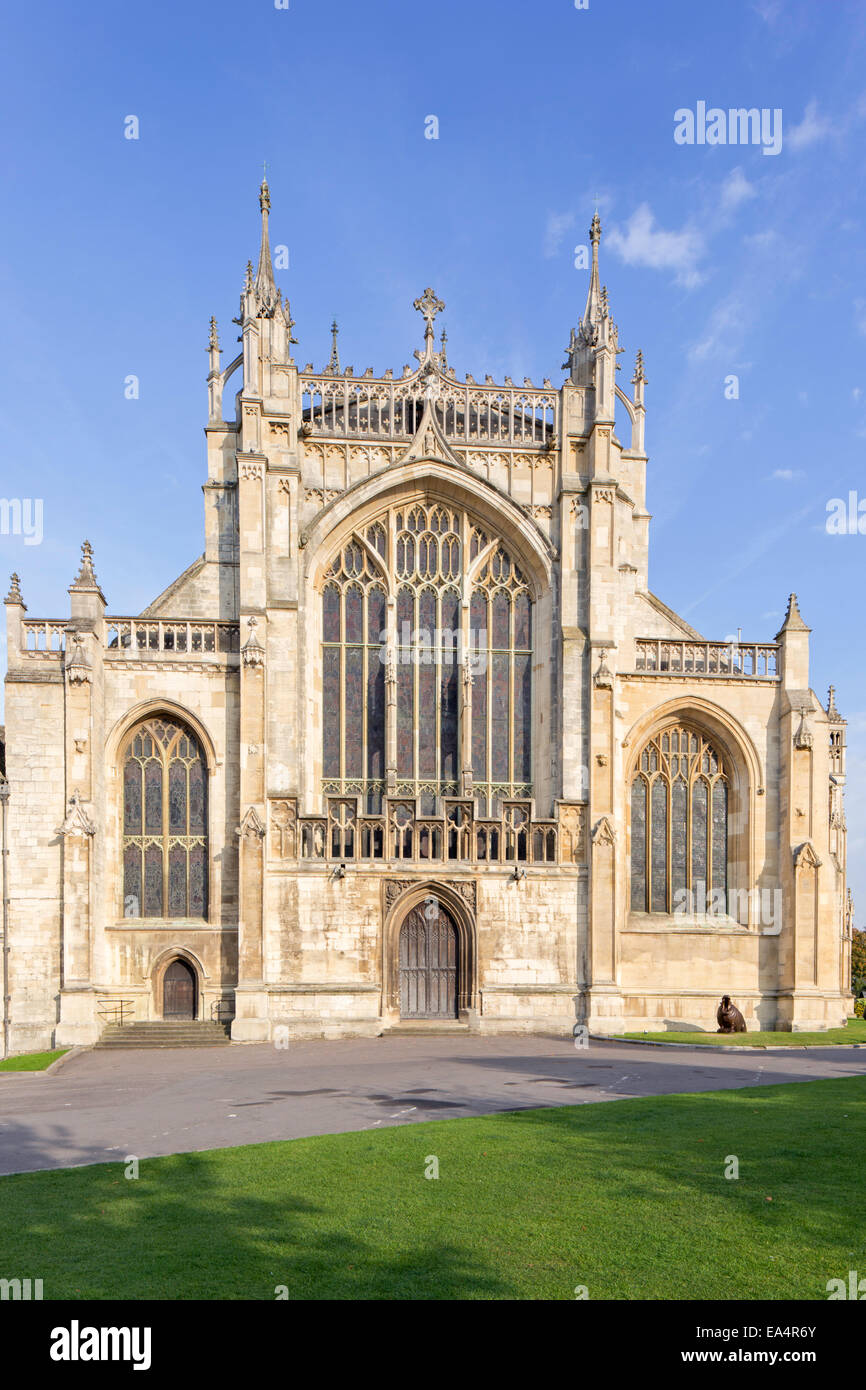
x=86 y=577
x=793 y=619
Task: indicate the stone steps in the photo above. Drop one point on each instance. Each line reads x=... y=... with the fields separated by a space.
x=164 y=1033
x=425 y=1028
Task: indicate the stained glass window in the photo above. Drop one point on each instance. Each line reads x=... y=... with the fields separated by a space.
x=353 y=671
x=679 y=826
x=501 y=626
x=164 y=822
x=457 y=593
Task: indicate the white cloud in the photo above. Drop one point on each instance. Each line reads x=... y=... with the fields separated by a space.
x=860 y=315
x=856 y=393
x=723 y=331
x=786 y=475
x=643 y=243
x=558 y=223
x=735 y=190
x=769 y=10
x=811 y=129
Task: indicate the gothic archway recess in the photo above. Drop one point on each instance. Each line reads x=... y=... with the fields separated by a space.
x=458 y=901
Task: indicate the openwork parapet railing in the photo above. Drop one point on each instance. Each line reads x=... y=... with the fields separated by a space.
x=45 y=635
x=170 y=635
x=470 y=413
x=48 y=636
x=344 y=834
x=117 y=1010
x=660 y=656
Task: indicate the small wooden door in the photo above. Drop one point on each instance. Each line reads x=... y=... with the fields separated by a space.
x=428 y=963
x=178 y=991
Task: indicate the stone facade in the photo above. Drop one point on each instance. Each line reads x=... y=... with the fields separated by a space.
x=302 y=928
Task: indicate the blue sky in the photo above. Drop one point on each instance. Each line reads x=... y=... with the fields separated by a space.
x=719 y=259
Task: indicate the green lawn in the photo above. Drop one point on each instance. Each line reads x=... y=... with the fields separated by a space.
x=31 y=1061
x=628 y=1198
x=853 y=1032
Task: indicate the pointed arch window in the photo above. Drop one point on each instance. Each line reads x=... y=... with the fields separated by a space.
x=500 y=621
x=164 y=822
x=457 y=596
x=679 y=825
x=353 y=674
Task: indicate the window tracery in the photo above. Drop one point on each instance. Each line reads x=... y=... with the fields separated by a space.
x=679 y=825
x=164 y=822
x=448 y=671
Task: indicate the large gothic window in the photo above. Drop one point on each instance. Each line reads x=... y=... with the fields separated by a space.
x=164 y=822
x=679 y=825
x=428 y=583
x=353 y=673
x=427 y=649
x=500 y=619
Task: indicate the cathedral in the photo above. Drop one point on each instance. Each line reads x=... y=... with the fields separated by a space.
x=412 y=745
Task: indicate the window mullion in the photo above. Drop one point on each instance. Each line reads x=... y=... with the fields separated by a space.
x=165 y=831
x=669 y=838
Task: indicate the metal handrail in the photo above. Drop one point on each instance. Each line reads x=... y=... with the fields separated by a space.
x=117 y=1010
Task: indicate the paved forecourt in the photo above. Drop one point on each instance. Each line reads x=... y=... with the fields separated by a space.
x=101 y=1106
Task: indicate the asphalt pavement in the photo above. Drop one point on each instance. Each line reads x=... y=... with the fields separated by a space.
x=102 y=1106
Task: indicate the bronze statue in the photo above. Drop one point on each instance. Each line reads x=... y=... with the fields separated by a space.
x=729 y=1018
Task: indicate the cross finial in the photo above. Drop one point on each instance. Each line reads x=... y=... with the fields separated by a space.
x=428 y=305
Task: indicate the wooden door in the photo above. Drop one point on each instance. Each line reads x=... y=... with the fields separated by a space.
x=178 y=991
x=428 y=963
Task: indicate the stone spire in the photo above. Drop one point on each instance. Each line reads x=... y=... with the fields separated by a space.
x=596 y=332
x=832 y=711
x=87 y=598
x=14 y=594
x=333 y=366
x=86 y=577
x=793 y=621
x=264 y=285
x=593 y=310
x=793 y=640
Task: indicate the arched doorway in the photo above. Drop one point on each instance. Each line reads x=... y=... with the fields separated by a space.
x=178 y=992
x=428 y=962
